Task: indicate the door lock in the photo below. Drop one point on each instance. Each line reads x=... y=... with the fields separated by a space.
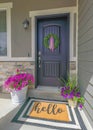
x=39 y=59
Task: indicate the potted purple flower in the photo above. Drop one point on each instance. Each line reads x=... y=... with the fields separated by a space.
x=71 y=92
x=17 y=85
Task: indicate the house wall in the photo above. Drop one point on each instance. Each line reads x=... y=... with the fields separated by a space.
x=21 y=38
x=85 y=54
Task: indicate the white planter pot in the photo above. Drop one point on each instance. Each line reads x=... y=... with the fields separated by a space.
x=72 y=103
x=19 y=97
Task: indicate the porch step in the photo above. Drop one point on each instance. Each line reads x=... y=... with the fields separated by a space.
x=49 y=89
x=46 y=92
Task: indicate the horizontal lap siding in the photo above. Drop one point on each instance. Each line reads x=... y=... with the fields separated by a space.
x=85 y=55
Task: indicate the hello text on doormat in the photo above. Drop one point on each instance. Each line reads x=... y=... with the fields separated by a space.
x=50 y=111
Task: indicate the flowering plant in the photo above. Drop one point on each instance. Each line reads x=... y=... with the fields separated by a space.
x=71 y=91
x=18 y=81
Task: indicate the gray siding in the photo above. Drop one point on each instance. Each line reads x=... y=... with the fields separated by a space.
x=21 y=39
x=85 y=55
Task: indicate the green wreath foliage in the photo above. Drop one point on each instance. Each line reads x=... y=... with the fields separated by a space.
x=56 y=40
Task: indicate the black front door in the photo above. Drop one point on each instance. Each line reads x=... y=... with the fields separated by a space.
x=52 y=49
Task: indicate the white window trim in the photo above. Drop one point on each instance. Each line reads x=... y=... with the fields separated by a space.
x=70 y=10
x=7 y=7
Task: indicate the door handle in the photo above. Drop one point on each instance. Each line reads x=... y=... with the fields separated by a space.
x=39 y=53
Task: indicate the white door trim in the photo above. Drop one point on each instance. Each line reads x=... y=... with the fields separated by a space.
x=70 y=10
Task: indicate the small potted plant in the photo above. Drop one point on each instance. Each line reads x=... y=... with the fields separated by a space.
x=71 y=92
x=17 y=85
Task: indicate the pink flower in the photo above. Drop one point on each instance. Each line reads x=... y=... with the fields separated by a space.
x=18 y=81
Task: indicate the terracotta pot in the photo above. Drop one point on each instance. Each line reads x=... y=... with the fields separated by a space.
x=72 y=103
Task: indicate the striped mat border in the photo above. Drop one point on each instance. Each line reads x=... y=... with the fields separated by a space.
x=22 y=117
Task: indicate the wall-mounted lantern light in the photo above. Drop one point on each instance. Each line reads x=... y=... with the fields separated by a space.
x=25 y=24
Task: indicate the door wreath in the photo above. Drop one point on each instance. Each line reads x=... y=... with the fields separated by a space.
x=56 y=40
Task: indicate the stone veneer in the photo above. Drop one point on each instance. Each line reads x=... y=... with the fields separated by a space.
x=9 y=68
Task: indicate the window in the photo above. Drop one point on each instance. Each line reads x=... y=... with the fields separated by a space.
x=5 y=31
x=3 y=34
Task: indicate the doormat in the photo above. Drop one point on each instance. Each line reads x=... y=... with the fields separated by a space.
x=52 y=114
x=50 y=111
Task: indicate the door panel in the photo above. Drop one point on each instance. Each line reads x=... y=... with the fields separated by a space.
x=52 y=65
x=54 y=29
x=51 y=69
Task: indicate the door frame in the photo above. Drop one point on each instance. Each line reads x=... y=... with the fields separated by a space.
x=58 y=11
x=58 y=16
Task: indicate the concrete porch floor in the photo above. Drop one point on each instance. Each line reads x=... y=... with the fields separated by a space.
x=8 y=110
